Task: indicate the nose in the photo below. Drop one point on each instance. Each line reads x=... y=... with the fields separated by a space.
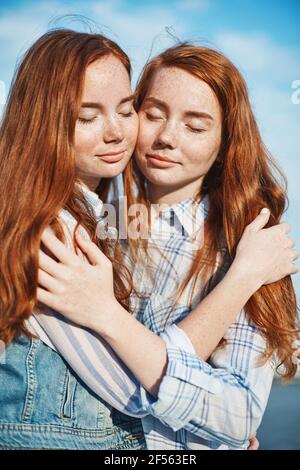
x=167 y=136
x=112 y=132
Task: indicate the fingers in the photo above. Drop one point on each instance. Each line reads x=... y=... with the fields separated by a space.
x=254 y=444
x=92 y=252
x=48 y=282
x=294 y=255
x=260 y=221
x=50 y=266
x=290 y=243
x=285 y=227
x=281 y=231
x=294 y=270
x=62 y=253
x=47 y=298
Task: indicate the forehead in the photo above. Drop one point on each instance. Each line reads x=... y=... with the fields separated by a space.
x=182 y=89
x=106 y=77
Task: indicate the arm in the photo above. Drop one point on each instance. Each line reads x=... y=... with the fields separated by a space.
x=144 y=353
x=140 y=348
x=130 y=340
x=224 y=400
x=172 y=367
x=257 y=250
x=93 y=360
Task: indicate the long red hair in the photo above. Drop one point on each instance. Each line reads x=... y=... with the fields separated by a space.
x=240 y=183
x=37 y=173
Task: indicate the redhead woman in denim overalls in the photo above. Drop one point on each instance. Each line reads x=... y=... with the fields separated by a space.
x=65 y=79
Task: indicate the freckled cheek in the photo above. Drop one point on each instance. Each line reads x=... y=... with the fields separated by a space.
x=86 y=141
x=131 y=134
x=146 y=138
x=204 y=152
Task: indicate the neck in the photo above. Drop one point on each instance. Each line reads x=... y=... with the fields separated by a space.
x=173 y=195
x=91 y=183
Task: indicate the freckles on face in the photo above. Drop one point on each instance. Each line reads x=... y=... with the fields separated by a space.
x=107 y=126
x=86 y=140
x=180 y=118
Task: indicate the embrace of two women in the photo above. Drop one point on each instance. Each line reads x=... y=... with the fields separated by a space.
x=168 y=338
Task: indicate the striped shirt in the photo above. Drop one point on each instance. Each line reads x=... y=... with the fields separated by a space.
x=217 y=404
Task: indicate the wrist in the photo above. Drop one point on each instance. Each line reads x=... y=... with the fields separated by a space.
x=107 y=322
x=243 y=279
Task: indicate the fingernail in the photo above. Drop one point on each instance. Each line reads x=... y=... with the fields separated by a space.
x=265 y=210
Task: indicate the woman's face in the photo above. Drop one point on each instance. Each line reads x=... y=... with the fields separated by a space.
x=107 y=126
x=179 y=133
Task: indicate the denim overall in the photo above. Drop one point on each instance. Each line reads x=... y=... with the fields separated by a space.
x=44 y=405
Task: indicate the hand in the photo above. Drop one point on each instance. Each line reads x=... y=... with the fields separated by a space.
x=265 y=255
x=253 y=443
x=80 y=291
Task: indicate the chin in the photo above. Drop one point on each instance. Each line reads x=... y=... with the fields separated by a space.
x=162 y=177
x=111 y=173
x=113 y=170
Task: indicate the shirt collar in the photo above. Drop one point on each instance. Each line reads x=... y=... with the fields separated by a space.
x=189 y=214
x=93 y=200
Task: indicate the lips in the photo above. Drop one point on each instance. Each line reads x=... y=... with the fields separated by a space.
x=160 y=161
x=112 y=157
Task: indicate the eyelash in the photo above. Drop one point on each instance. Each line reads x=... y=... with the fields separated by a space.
x=152 y=118
x=197 y=131
x=86 y=121
x=89 y=121
x=127 y=114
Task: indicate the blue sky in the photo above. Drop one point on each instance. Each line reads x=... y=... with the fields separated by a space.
x=261 y=38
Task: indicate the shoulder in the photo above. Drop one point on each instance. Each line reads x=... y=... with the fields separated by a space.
x=68 y=224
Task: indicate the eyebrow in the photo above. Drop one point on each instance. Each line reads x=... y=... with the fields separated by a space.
x=159 y=103
x=163 y=105
x=199 y=114
x=91 y=104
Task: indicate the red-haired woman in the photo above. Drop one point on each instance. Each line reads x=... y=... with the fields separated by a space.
x=65 y=80
x=200 y=155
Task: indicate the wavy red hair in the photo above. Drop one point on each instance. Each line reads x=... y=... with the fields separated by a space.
x=37 y=176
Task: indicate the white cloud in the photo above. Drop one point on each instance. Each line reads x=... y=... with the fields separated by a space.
x=269 y=70
x=139 y=31
x=257 y=53
x=295 y=98
x=142 y=32
x=19 y=28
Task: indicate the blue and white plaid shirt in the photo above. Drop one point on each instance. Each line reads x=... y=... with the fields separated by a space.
x=217 y=404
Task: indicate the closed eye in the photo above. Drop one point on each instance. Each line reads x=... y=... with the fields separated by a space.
x=127 y=114
x=152 y=117
x=195 y=129
x=86 y=121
